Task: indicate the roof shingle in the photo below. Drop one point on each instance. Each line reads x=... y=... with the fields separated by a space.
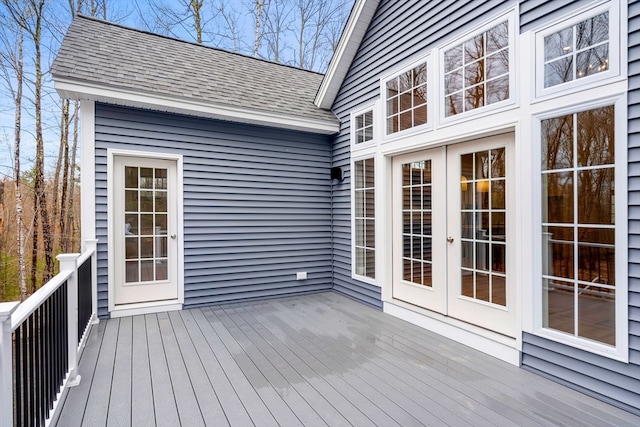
x=103 y=53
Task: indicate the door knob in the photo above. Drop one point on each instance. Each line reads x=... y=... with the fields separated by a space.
x=450 y=239
x=173 y=236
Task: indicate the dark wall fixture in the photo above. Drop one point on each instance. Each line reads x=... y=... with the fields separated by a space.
x=336 y=173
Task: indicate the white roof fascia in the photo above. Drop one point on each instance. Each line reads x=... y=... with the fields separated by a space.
x=72 y=89
x=352 y=35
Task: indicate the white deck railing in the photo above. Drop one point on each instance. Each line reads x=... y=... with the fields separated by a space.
x=41 y=340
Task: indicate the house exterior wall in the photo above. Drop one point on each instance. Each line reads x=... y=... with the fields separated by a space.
x=407 y=27
x=412 y=28
x=613 y=381
x=257 y=203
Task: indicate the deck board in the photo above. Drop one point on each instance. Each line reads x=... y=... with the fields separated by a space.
x=71 y=415
x=164 y=403
x=320 y=359
x=141 y=389
x=120 y=400
x=97 y=407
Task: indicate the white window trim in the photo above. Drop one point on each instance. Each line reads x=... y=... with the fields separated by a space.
x=155 y=306
x=406 y=66
x=354 y=275
x=615 y=50
x=513 y=22
x=355 y=113
x=621 y=350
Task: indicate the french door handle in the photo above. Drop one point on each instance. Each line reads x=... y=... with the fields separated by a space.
x=450 y=239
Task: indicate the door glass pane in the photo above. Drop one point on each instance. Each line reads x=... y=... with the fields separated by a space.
x=130 y=177
x=483 y=226
x=145 y=216
x=417 y=227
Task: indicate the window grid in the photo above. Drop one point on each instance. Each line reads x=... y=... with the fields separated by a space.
x=145 y=219
x=483 y=228
x=364 y=197
x=417 y=233
x=406 y=100
x=364 y=127
x=578 y=51
x=476 y=71
x=578 y=227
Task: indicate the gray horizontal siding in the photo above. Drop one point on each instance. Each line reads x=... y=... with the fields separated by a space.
x=534 y=13
x=615 y=382
x=257 y=203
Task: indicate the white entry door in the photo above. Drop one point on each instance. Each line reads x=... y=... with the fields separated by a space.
x=453 y=232
x=144 y=230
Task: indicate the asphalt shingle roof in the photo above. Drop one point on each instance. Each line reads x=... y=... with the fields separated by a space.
x=99 y=52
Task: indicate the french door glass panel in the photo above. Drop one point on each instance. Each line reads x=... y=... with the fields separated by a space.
x=483 y=214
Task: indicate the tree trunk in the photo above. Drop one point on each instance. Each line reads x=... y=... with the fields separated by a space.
x=64 y=142
x=40 y=194
x=196 y=6
x=22 y=266
x=258 y=33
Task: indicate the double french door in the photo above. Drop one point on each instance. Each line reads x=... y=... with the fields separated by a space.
x=453 y=232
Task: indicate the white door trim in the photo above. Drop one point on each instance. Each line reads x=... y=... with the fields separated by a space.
x=151 y=306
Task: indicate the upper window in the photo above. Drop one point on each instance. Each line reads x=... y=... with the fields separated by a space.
x=406 y=99
x=578 y=51
x=476 y=71
x=364 y=127
x=579 y=224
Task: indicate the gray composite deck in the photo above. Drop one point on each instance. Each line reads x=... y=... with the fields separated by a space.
x=314 y=360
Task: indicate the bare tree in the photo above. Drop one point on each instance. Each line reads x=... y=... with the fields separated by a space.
x=179 y=19
x=13 y=74
x=277 y=23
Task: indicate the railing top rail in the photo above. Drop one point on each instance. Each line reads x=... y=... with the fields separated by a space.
x=31 y=304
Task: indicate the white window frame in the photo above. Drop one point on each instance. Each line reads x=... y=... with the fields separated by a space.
x=382 y=121
x=367 y=144
x=354 y=275
x=621 y=350
x=583 y=83
x=512 y=21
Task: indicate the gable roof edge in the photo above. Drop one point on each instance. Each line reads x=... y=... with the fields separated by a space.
x=354 y=31
x=74 y=89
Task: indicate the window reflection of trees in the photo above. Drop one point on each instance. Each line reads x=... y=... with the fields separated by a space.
x=578 y=51
x=477 y=71
x=407 y=99
x=579 y=222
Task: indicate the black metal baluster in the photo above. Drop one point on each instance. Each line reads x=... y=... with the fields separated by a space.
x=25 y=370
x=38 y=363
x=17 y=372
x=65 y=329
x=32 y=370
x=46 y=374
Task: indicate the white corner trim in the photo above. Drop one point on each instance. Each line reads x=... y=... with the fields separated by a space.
x=88 y=168
x=352 y=35
x=74 y=89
